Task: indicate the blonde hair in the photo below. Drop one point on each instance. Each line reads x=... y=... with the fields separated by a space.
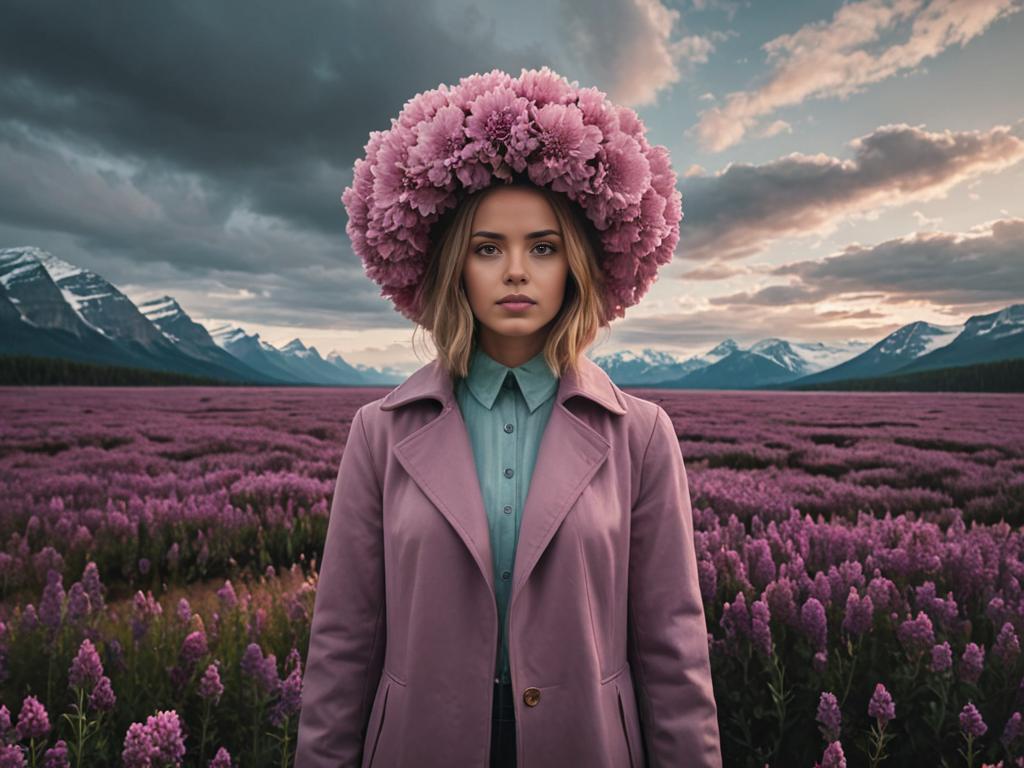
x=445 y=310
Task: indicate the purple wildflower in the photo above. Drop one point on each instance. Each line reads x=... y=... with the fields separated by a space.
x=138 y=750
x=57 y=756
x=779 y=596
x=707 y=576
x=52 y=603
x=144 y=565
x=820 y=662
x=33 y=721
x=210 y=686
x=833 y=756
x=184 y=611
x=78 y=603
x=291 y=698
x=859 y=613
x=167 y=738
x=760 y=629
x=102 y=698
x=86 y=668
x=828 y=716
x=970 y=721
x=881 y=707
x=1012 y=730
x=93 y=586
x=227 y=596
x=736 y=618
x=221 y=760
x=942 y=658
x=262 y=670
x=193 y=648
x=812 y=617
x=917 y=635
x=12 y=756
x=1007 y=647
x=972 y=662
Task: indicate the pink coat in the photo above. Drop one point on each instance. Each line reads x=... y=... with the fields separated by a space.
x=607 y=640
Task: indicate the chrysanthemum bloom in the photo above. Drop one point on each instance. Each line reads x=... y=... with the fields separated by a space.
x=828 y=716
x=102 y=698
x=970 y=721
x=221 y=760
x=57 y=756
x=33 y=721
x=972 y=662
x=881 y=707
x=942 y=658
x=86 y=668
x=453 y=141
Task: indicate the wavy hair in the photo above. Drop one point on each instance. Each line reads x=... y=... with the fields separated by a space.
x=445 y=311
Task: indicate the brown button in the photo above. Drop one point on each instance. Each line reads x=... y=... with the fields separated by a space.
x=531 y=696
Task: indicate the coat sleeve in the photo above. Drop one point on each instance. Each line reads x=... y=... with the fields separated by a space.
x=668 y=640
x=347 y=634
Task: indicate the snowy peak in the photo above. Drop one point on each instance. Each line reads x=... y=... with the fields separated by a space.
x=996 y=325
x=916 y=339
x=724 y=349
x=162 y=308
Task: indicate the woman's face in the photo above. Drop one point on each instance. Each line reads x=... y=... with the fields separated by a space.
x=516 y=248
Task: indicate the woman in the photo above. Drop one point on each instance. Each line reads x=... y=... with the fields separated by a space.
x=509 y=575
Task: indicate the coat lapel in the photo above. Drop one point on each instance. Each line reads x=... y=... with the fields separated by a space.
x=439 y=458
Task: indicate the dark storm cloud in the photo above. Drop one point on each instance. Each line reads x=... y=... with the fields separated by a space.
x=214 y=135
x=739 y=211
x=983 y=265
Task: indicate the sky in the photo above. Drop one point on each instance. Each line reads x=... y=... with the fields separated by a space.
x=845 y=168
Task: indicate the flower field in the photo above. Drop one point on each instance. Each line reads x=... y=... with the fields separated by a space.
x=860 y=558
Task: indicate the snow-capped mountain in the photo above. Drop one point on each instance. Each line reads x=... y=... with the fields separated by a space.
x=726 y=365
x=984 y=339
x=899 y=348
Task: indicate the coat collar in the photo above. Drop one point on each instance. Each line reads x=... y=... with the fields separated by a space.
x=570 y=453
x=433 y=382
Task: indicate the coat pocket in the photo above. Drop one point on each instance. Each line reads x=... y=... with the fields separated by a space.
x=625 y=728
x=628 y=715
x=376 y=725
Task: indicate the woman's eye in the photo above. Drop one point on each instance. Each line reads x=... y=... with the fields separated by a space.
x=549 y=250
x=485 y=245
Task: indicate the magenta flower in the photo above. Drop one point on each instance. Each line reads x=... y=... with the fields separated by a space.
x=780 y=599
x=290 y=701
x=102 y=698
x=917 y=635
x=12 y=756
x=1006 y=648
x=1012 y=730
x=972 y=662
x=970 y=721
x=828 y=716
x=51 y=605
x=78 y=603
x=86 y=668
x=210 y=686
x=812 y=617
x=833 y=756
x=736 y=618
x=33 y=721
x=262 y=670
x=93 y=586
x=193 y=648
x=184 y=611
x=881 y=707
x=942 y=658
x=221 y=760
x=227 y=596
x=57 y=756
x=859 y=613
x=159 y=742
x=760 y=628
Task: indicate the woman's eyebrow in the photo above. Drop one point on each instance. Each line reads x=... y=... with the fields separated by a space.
x=530 y=236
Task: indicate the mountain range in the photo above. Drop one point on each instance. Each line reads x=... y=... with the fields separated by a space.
x=49 y=307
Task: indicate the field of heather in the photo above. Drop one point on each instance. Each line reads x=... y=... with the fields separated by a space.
x=860 y=559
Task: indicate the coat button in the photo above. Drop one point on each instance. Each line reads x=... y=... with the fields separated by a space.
x=531 y=696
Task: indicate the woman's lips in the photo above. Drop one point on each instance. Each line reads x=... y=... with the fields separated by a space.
x=515 y=306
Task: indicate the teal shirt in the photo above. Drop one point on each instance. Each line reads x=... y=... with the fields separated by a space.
x=505 y=410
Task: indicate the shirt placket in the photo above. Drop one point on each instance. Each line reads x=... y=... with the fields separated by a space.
x=508 y=500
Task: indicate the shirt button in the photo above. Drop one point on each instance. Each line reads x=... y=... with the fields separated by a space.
x=508 y=472
x=506 y=575
x=508 y=510
x=508 y=427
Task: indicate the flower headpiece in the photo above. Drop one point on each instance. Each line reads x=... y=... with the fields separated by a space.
x=455 y=140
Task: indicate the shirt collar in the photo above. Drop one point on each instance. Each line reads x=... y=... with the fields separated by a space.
x=486 y=375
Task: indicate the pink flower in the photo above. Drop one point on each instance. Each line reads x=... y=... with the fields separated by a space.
x=33 y=721
x=566 y=147
x=86 y=668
